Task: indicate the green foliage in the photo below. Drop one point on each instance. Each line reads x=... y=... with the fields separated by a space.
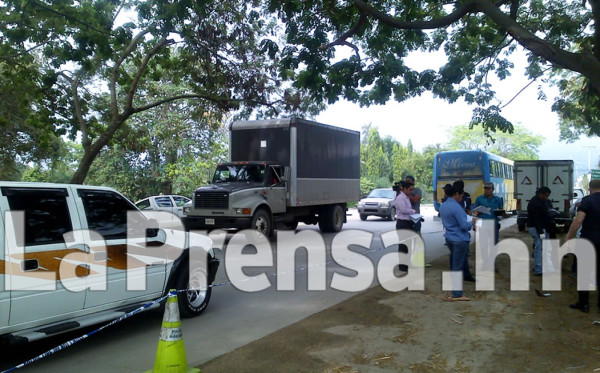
x=366 y=185
x=521 y=144
x=478 y=38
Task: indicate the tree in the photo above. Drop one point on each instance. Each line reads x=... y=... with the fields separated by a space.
x=561 y=38
x=520 y=144
x=95 y=72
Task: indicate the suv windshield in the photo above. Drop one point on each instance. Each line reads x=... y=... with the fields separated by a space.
x=254 y=173
x=382 y=193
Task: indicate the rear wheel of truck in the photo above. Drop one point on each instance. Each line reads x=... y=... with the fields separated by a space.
x=521 y=225
x=332 y=219
x=261 y=221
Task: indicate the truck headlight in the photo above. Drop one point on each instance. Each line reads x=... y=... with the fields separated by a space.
x=186 y=210
x=361 y=204
x=385 y=204
x=243 y=211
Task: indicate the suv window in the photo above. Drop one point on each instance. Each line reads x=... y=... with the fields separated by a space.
x=47 y=215
x=106 y=212
x=180 y=201
x=163 y=202
x=143 y=204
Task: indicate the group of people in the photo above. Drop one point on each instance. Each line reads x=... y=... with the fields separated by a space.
x=459 y=215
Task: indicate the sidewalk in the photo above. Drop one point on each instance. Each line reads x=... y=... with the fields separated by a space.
x=379 y=331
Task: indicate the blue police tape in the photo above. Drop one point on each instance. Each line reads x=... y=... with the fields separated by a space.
x=142 y=308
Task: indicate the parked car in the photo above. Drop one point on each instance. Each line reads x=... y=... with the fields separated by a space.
x=379 y=202
x=169 y=203
x=76 y=255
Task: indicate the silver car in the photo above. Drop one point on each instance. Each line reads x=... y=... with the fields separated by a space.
x=379 y=202
x=170 y=203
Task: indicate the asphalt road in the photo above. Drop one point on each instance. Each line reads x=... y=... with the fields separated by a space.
x=233 y=318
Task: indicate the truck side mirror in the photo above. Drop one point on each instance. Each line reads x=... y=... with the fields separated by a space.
x=286 y=174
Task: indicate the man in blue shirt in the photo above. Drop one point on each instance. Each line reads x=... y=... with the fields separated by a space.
x=489 y=200
x=454 y=219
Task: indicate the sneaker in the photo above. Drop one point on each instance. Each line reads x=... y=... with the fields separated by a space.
x=585 y=308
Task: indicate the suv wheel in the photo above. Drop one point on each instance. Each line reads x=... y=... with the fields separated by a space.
x=392 y=215
x=194 y=301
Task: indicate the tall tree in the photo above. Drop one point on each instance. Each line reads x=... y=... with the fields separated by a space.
x=561 y=38
x=96 y=70
x=520 y=144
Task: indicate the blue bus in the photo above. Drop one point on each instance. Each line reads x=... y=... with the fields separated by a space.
x=474 y=167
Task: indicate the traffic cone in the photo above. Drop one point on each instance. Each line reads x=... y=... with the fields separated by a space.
x=170 y=354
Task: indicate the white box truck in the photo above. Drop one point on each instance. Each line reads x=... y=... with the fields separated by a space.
x=281 y=172
x=555 y=174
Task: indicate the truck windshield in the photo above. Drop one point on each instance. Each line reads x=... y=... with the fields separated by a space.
x=252 y=173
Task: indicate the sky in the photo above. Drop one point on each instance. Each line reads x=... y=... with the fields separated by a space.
x=426 y=120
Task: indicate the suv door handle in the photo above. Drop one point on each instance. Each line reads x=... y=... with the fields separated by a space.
x=30 y=265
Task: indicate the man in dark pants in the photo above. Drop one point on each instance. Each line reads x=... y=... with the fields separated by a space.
x=588 y=218
x=538 y=219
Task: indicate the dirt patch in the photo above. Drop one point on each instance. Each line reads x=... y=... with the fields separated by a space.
x=379 y=331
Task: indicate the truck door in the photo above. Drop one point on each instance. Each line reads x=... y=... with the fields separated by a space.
x=37 y=290
x=276 y=194
x=528 y=179
x=106 y=213
x=559 y=180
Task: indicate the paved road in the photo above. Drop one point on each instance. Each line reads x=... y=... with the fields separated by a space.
x=233 y=318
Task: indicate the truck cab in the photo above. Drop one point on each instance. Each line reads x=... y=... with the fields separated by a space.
x=241 y=195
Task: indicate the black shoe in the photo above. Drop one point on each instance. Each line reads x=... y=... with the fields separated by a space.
x=585 y=308
x=470 y=279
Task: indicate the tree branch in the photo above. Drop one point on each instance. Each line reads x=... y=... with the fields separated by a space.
x=195 y=95
x=134 y=85
x=115 y=73
x=85 y=139
x=451 y=18
x=341 y=40
x=550 y=52
x=524 y=88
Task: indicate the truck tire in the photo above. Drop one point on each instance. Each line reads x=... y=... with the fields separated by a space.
x=193 y=302
x=363 y=217
x=261 y=221
x=521 y=225
x=332 y=219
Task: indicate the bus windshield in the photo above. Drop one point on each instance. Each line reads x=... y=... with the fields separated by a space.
x=459 y=165
x=251 y=173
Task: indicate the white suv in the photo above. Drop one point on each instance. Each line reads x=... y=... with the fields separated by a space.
x=80 y=260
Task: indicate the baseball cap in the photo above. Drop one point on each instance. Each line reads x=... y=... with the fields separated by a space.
x=488 y=185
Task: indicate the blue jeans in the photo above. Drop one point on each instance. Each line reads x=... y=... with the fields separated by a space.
x=459 y=255
x=537 y=251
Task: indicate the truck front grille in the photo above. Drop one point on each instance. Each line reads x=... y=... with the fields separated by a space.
x=211 y=200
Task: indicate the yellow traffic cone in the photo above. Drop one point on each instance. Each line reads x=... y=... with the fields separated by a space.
x=170 y=354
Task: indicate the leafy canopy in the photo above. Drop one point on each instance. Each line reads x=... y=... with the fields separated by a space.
x=478 y=37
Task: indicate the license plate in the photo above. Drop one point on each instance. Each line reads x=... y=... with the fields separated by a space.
x=209 y=221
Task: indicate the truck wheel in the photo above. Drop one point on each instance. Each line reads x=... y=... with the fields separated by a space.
x=261 y=221
x=392 y=216
x=363 y=217
x=521 y=226
x=193 y=302
x=332 y=219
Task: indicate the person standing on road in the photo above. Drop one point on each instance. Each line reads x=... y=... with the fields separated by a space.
x=415 y=200
x=588 y=218
x=538 y=219
x=454 y=219
x=403 y=212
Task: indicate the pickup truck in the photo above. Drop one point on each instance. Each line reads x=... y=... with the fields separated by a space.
x=73 y=256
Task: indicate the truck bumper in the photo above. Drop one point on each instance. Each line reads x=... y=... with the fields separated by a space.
x=371 y=210
x=204 y=222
